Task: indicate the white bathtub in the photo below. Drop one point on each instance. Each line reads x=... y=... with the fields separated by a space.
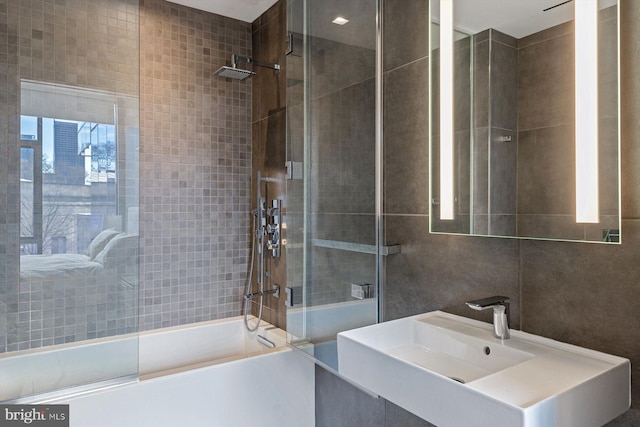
x=176 y=349
x=184 y=382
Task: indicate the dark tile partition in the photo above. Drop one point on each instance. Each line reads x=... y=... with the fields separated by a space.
x=269 y=140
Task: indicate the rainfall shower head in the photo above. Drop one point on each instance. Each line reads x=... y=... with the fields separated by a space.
x=233 y=73
x=236 y=73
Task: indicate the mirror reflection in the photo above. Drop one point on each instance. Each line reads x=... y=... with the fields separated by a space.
x=79 y=209
x=514 y=154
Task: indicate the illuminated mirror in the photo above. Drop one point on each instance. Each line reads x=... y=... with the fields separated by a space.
x=524 y=119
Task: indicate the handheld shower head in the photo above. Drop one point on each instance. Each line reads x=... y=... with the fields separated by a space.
x=233 y=73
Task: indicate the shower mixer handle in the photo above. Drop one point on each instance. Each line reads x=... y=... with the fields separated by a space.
x=274 y=228
x=262 y=213
x=274 y=241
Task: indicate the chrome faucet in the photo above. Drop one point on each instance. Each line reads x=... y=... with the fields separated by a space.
x=500 y=305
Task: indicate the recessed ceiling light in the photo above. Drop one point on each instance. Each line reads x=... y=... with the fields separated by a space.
x=340 y=20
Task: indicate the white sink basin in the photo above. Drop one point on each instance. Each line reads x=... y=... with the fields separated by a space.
x=435 y=345
x=451 y=371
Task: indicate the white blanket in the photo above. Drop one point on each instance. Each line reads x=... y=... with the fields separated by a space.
x=60 y=266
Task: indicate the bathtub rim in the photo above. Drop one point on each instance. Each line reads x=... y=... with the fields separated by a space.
x=266 y=329
x=129 y=378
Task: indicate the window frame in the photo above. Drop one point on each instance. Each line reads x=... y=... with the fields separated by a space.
x=37 y=208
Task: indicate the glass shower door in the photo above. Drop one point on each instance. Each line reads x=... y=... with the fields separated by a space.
x=69 y=264
x=332 y=248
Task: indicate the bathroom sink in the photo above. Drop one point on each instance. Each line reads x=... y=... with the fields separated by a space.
x=434 y=344
x=451 y=371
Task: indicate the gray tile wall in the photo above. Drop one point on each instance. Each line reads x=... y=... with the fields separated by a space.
x=195 y=152
x=546 y=133
x=339 y=404
x=433 y=271
x=342 y=164
x=342 y=159
x=575 y=292
x=406 y=196
x=9 y=173
x=496 y=66
x=195 y=166
x=55 y=42
x=557 y=289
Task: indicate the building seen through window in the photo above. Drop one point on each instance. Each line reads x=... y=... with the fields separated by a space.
x=67 y=183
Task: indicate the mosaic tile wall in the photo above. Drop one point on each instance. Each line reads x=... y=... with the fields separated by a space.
x=9 y=174
x=54 y=41
x=195 y=162
x=195 y=166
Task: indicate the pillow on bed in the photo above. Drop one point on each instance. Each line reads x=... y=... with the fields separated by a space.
x=120 y=252
x=100 y=241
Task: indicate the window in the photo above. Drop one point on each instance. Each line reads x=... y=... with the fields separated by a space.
x=67 y=183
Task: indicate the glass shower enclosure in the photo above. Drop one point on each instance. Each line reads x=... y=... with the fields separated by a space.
x=333 y=221
x=69 y=174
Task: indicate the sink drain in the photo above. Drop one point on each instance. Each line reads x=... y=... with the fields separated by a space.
x=457 y=379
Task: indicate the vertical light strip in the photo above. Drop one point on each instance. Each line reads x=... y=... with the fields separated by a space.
x=446 y=109
x=586 y=98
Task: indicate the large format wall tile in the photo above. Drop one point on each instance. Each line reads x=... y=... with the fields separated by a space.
x=339 y=404
x=546 y=161
x=406 y=154
x=406 y=33
x=441 y=272
x=630 y=106
x=343 y=150
x=585 y=294
x=504 y=81
x=545 y=83
x=581 y=293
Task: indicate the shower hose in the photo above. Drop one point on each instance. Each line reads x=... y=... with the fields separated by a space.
x=249 y=280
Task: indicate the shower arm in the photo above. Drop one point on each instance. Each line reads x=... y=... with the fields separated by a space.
x=237 y=58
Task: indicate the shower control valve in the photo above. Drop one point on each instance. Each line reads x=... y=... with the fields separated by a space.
x=273 y=228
